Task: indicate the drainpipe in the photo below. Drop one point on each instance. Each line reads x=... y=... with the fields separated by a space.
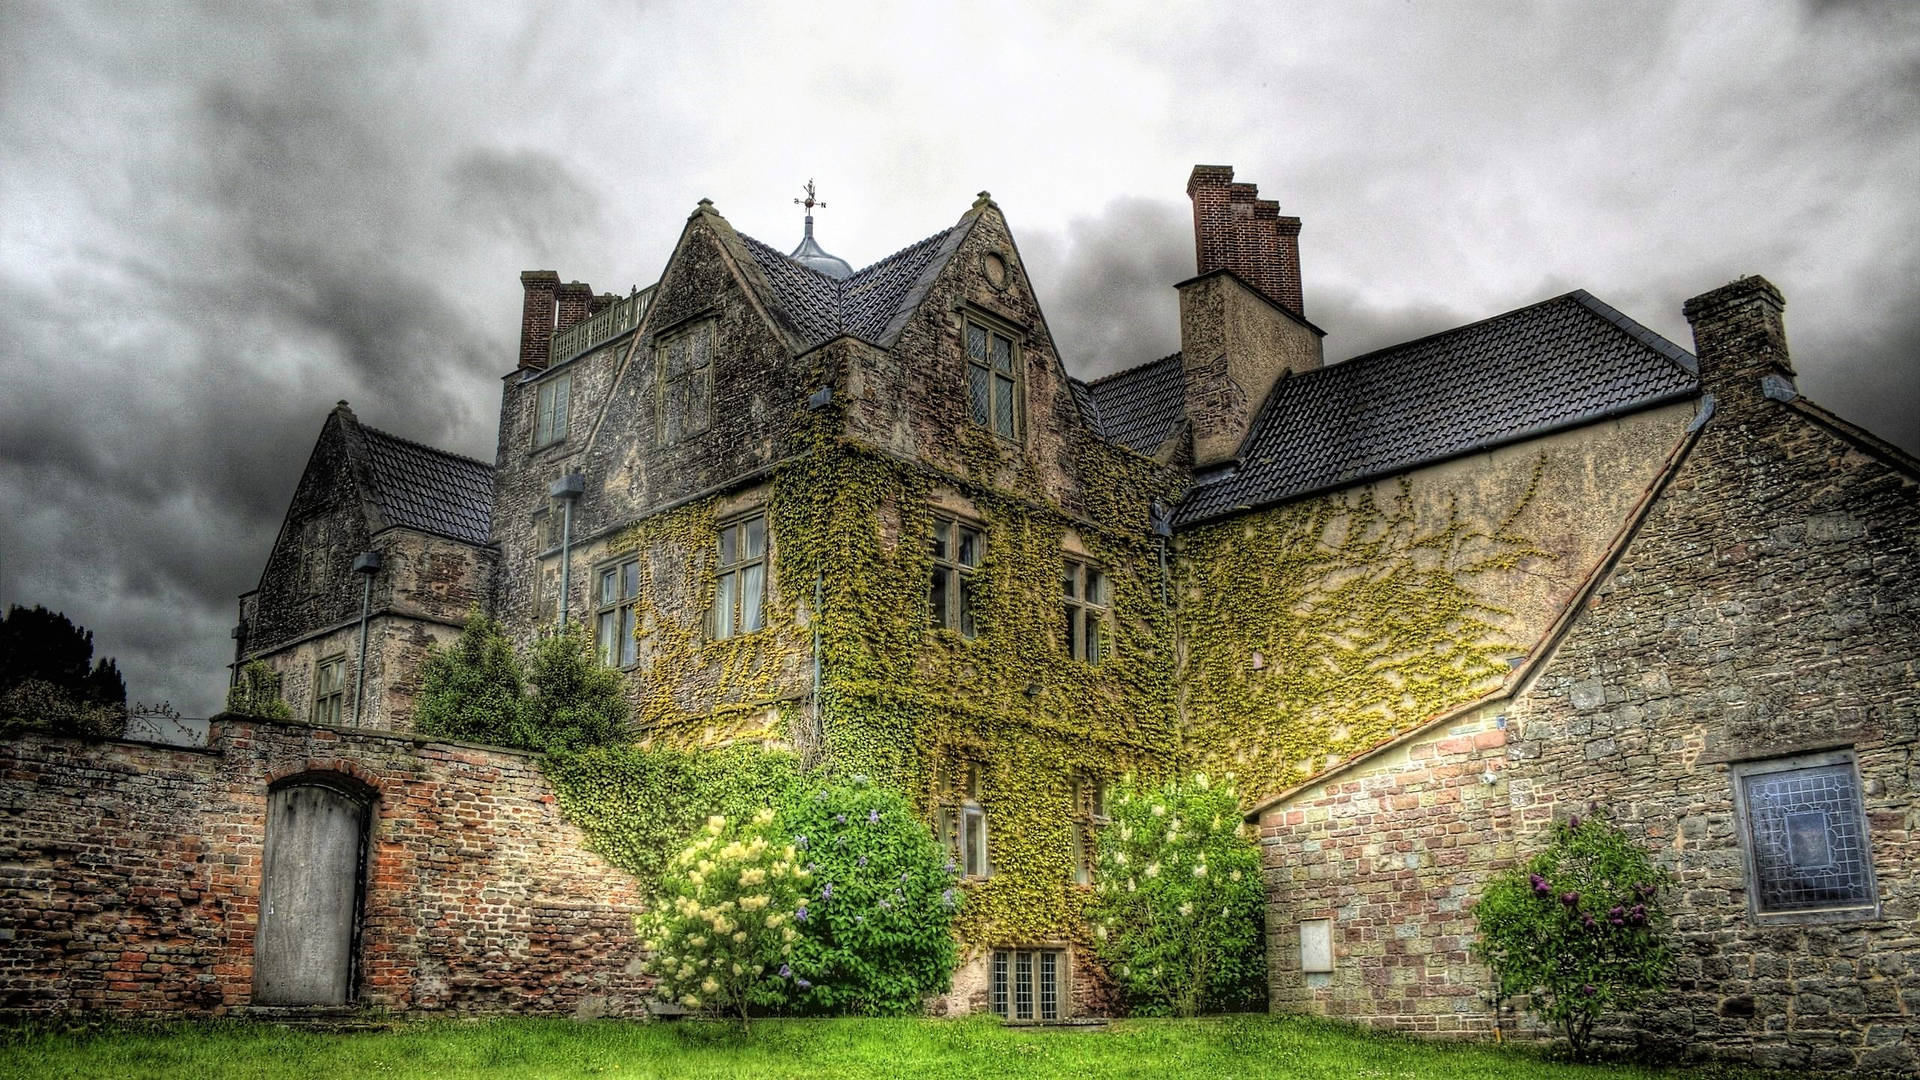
x=366 y=564
x=819 y=722
x=1161 y=519
x=568 y=490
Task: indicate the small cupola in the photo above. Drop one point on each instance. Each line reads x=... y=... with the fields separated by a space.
x=810 y=254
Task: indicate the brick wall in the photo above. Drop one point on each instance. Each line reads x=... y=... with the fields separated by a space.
x=130 y=877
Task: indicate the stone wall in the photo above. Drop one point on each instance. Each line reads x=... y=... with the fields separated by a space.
x=130 y=877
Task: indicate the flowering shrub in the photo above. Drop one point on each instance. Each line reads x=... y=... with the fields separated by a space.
x=722 y=927
x=1177 y=914
x=878 y=934
x=1579 y=928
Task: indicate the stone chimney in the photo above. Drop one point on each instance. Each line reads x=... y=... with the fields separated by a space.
x=536 y=318
x=1241 y=326
x=575 y=302
x=1741 y=341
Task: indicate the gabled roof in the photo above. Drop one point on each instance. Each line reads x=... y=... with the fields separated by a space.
x=1141 y=406
x=1562 y=362
x=872 y=304
x=431 y=490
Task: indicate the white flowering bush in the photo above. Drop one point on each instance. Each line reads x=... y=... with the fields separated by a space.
x=1177 y=915
x=721 y=931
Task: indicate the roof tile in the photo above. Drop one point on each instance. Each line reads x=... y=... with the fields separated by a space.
x=431 y=490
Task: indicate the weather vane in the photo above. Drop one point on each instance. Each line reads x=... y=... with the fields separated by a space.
x=809 y=202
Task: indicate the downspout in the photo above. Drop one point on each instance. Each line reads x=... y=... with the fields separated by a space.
x=366 y=564
x=567 y=489
x=819 y=721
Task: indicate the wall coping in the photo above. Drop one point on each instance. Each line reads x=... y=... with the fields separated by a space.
x=224 y=720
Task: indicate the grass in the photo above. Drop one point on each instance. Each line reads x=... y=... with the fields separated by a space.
x=1216 y=1048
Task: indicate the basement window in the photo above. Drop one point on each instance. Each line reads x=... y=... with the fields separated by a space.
x=330 y=690
x=1028 y=984
x=1805 y=837
x=550 y=406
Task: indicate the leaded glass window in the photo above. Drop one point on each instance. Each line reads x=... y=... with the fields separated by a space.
x=740 y=578
x=993 y=379
x=957 y=549
x=1807 y=844
x=616 y=590
x=330 y=690
x=686 y=382
x=550 y=410
x=1083 y=591
x=1028 y=984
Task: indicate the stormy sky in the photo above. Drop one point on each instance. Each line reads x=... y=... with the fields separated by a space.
x=218 y=219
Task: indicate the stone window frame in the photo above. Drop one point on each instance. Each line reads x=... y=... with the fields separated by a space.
x=552 y=406
x=330 y=698
x=1739 y=772
x=695 y=380
x=960 y=820
x=731 y=576
x=951 y=603
x=989 y=382
x=620 y=610
x=1085 y=615
x=1089 y=814
x=1044 y=972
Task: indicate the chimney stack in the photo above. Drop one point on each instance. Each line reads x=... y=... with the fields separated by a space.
x=536 y=318
x=1740 y=339
x=575 y=303
x=1234 y=229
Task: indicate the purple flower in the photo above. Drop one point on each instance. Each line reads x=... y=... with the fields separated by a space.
x=800 y=841
x=1573 y=822
x=1586 y=922
x=903 y=877
x=802 y=983
x=1637 y=914
x=1570 y=898
x=862 y=862
x=1540 y=885
x=859 y=918
x=884 y=904
x=800 y=913
x=840 y=819
x=826 y=893
x=952 y=866
x=947 y=897
x=786 y=972
x=1589 y=990
x=873 y=817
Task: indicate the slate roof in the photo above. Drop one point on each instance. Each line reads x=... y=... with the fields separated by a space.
x=1555 y=364
x=873 y=303
x=1139 y=407
x=430 y=490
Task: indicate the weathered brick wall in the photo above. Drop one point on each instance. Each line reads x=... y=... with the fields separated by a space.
x=130 y=877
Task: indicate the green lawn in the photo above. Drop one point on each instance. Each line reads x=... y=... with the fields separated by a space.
x=1220 y=1048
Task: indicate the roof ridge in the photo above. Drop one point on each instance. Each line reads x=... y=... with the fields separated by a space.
x=423 y=446
x=1142 y=366
x=1449 y=331
x=915 y=246
x=1650 y=338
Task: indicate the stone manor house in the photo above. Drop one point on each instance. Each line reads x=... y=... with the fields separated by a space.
x=1419 y=604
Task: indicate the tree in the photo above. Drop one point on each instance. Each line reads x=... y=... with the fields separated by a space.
x=576 y=701
x=1579 y=929
x=471 y=692
x=1178 y=910
x=49 y=679
x=257 y=693
x=46 y=646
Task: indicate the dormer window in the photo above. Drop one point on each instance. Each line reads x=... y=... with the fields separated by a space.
x=550 y=410
x=993 y=378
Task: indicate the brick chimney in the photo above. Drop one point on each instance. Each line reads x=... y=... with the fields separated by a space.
x=536 y=318
x=1234 y=229
x=1241 y=330
x=575 y=302
x=1741 y=340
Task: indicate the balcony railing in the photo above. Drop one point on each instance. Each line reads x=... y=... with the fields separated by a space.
x=610 y=322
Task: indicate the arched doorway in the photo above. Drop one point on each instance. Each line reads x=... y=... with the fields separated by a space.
x=311 y=880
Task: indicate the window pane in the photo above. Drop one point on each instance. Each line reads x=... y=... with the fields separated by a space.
x=729 y=545
x=1002 y=354
x=1073 y=630
x=1003 y=405
x=699 y=402
x=1096 y=587
x=609 y=585
x=1808 y=848
x=1070 y=580
x=940 y=530
x=999 y=993
x=1091 y=638
x=976 y=343
x=606 y=634
x=1080 y=873
x=1049 y=986
x=756 y=539
x=700 y=347
x=979 y=390
x=629 y=643
x=937 y=597
x=970 y=545
x=975 y=820
x=965 y=620
x=562 y=392
x=753 y=589
x=1023 y=986
x=723 y=605
x=630 y=579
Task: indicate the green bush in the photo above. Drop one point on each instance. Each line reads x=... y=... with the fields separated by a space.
x=576 y=701
x=1579 y=929
x=257 y=693
x=722 y=926
x=471 y=691
x=1178 y=911
x=639 y=806
x=40 y=705
x=878 y=937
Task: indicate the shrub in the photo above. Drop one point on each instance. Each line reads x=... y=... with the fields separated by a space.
x=576 y=701
x=1178 y=910
x=471 y=691
x=1579 y=928
x=879 y=933
x=722 y=928
x=257 y=693
x=639 y=806
x=40 y=705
